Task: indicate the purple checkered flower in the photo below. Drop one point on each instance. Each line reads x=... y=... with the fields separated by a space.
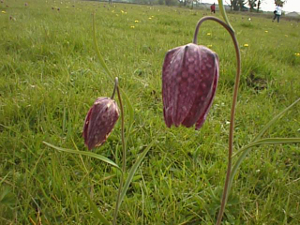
x=100 y=121
x=189 y=80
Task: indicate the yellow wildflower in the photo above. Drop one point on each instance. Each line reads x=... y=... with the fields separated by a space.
x=136 y=21
x=209 y=46
x=132 y=27
x=3 y=11
x=297 y=54
x=150 y=18
x=208 y=34
x=266 y=31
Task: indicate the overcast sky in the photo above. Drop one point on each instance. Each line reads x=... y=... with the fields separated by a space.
x=268 y=5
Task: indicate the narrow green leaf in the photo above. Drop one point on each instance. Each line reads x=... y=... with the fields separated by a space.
x=248 y=147
x=90 y=154
x=223 y=13
x=274 y=119
x=269 y=141
x=256 y=141
x=95 y=210
x=111 y=77
x=133 y=170
x=277 y=141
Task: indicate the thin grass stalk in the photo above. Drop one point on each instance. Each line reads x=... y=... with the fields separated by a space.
x=101 y=60
x=115 y=88
x=232 y=114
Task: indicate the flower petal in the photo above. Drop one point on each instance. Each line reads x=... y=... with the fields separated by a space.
x=86 y=125
x=203 y=116
x=205 y=76
x=168 y=86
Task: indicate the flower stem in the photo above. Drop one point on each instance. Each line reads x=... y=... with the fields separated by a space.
x=234 y=100
x=123 y=153
x=223 y=13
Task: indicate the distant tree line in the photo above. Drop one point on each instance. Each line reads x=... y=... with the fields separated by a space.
x=240 y=5
x=235 y=5
x=254 y=5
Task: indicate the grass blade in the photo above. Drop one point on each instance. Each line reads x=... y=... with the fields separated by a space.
x=95 y=210
x=4 y=178
x=90 y=154
x=133 y=170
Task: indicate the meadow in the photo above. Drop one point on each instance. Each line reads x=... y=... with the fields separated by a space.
x=50 y=76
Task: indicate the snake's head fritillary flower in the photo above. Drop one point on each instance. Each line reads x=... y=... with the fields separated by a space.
x=100 y=121
x=189 y=80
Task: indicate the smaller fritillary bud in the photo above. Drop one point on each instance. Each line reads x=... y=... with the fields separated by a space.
x=100 y=121
x=189 y=81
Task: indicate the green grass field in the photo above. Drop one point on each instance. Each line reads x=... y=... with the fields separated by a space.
x=50 y=76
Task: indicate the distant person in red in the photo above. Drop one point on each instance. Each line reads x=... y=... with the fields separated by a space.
x=213 y=8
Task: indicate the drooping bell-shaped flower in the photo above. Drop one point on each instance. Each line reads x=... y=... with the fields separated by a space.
x=189 y=80
x=100 y=121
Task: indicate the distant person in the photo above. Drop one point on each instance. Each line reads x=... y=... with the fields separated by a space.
x=213 y=8
x=277 y=13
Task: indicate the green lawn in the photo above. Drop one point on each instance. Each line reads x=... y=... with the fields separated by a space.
x=50 y=76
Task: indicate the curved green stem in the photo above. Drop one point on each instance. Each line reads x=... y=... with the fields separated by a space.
x=234 y=100
x=223 y=13
x=123 y=154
